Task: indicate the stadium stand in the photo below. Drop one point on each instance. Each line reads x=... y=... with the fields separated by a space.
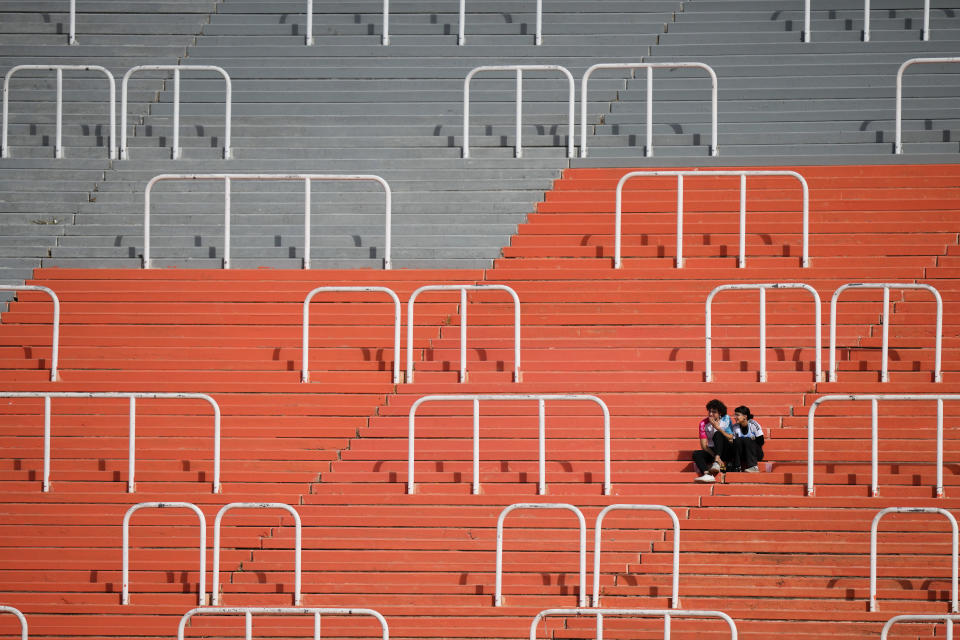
x=753 y=546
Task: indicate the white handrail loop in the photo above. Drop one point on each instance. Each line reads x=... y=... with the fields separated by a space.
x=60 y=68
x=307 y=178
x=132 y=398
x=461 y=36
x=384 y=39
x=762 y=288
x=126 y=545
x=949 y=619
x=649 y=66
x=24 y=634
x=667 y=614
x=215 y=589
x=541 y=403
x=463 y=288
x=582 y=596
x=597 y=533
x=873 y=550
x=519 y=69
x=898 y=140
x=177 y=68
x=316 y=612
x=305 y=370
x=55 y=340
x=874 y=400
x=680 y=175
x=886 y=286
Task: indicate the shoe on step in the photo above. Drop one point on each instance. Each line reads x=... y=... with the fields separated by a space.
x=715 y=469
x=753 y=469
x=705 y=479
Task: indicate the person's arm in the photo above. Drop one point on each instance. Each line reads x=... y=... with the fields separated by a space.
x=705 y=446
x=718 y=425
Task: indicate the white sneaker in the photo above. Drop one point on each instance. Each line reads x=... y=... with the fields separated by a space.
x=753 y=469
x=705 y=479
x=715 y=469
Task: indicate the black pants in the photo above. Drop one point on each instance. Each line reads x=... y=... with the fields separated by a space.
x=748 y=452
x=722 y=447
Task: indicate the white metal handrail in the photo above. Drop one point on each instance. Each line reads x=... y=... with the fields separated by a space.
x=762 y=288
x=463 y=288
x=898 y=142
x=598 y=530
x=132 y=397
x=874 y=399
x=126 y=544
x=307 y=178
x=873 y=550
x=60 y=68
x=742 y=260
x=248 y=612
x=886 y=286
x=924 y=34
x=582 y=596
x=23 y=621
x=649 y=66
x=519 y=68
x=461 y=38
x=55 y=340
x=541 y=403
x=177 y=151
x=384 y=39
x=72 y=38
x=947 y=618
x=305 y=372
x=667 y=614
x=215 y=590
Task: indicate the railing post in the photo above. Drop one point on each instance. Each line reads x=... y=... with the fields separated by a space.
x=926 y=21
x=805 y=36
x=866 y=20
x=874 y=436
x=226 y=221
x=58 y=149
x=131 y=445
x=306 y=222
x=384 y=40
x=47 y=400
x=463 y=335
x=4 y=147
x=177 y=151
x=763 y=334
x=518 y=152
x=542 y=446
x=648 y=149
x=72 y=38
x=476 y=446
x=461 y=39
x=742 y=261
x=885 y=367
x=940 y=450
x=679 y=221
x=309 y=38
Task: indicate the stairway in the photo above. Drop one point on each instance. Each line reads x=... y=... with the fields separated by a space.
x=753 y=546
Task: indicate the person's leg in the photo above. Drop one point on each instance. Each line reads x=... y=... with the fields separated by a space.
x=702 y=460
x=752 y=453
x=725 y=449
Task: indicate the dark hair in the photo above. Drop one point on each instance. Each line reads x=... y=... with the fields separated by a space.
x=745 y=411
x=719 y=406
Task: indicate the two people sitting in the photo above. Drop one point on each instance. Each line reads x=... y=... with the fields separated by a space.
x=727 y=445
